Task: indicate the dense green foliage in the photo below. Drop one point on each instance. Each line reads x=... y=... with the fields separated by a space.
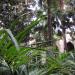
x=22 y=60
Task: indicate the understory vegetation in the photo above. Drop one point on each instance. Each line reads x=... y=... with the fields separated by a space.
x=37 y=37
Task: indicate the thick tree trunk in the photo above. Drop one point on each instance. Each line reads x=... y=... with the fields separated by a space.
x=49 y=23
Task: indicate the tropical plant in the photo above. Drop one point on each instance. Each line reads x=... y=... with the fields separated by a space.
x=60 y=65
x=15 y=59
x=10 y=51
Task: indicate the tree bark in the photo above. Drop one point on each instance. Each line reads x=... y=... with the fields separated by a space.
x=61 y=5
x=62 y=9
x=65 y=44
x=49 y=23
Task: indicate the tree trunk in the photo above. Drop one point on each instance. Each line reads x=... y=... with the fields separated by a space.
x=49 y=23
x=61 y=5
x=62 y=9
x=65 y=44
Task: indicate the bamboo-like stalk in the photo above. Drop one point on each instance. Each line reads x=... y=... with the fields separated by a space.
x=12 y=38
